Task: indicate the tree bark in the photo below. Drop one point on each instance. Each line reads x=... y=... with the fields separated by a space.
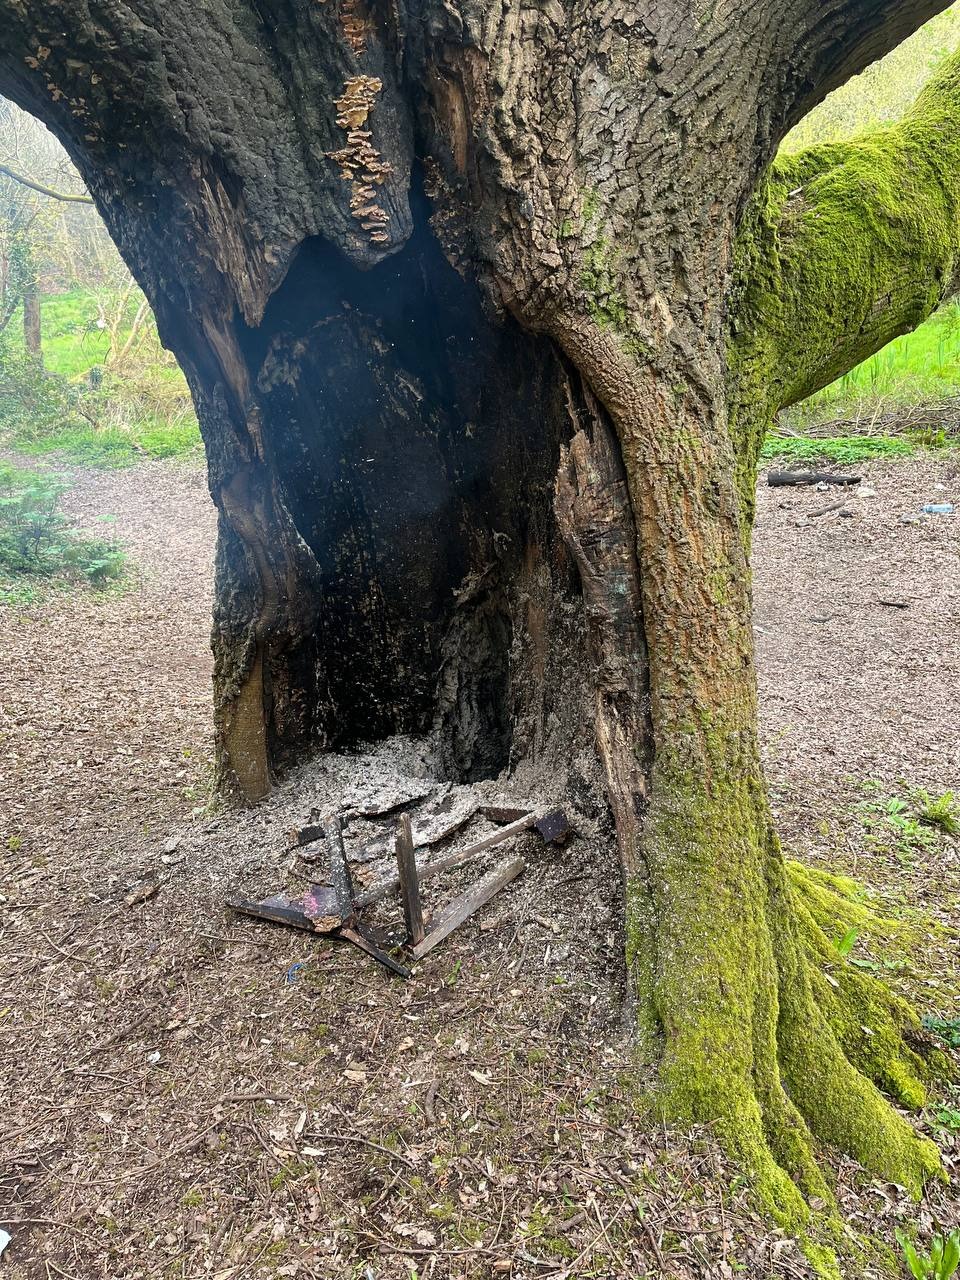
x=454 y=304
x=32 y=337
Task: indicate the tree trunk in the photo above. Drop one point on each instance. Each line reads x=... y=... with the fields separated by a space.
x=453 y=305
x=32 y=339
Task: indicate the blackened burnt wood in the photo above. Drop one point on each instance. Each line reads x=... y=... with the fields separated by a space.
x=553 y=827
x=460 y=909
x=301 y=836
x=377 y=892
x=501 y=813
x=359 y=939
x=339 y=872
x=279 y=909
x=409 y=881
x=781 y=479
x=322 y=905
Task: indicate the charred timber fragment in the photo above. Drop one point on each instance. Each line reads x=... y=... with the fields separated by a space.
x=279 y=908
x=553 y=822
x=785 y=479
x=339 y=869
x=469 y=902
x=409 y=881
x=502 y=813
x=335 y=909
x=316 y=912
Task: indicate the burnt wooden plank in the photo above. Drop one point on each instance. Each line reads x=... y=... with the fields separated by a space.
x=321 y=905
x=501 y=813
x=409 y=881
x=365 y=944
x=279 y=908
x=339 y=869
x=462 y=908
x=301 y=836
x=391 y=884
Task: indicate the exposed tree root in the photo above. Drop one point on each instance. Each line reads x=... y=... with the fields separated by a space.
x=770 y=1035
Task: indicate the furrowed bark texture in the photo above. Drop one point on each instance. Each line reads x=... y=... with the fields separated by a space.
x=450 y=285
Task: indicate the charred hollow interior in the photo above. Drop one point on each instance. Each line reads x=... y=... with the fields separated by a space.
x=416 y=438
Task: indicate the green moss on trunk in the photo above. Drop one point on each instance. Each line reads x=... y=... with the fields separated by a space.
x=842 y=248
x=768 y=1035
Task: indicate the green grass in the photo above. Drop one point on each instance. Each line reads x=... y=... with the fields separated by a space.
x=141 y=409
x=838 y=449
x=40 y=547
x=114 y=446
x=72 y=343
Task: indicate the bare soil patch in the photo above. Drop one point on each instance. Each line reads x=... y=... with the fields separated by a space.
x=189 y=1093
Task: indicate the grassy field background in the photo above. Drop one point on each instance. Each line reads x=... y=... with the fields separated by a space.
x=920 y=368
x=95 y=405
x=142 y=407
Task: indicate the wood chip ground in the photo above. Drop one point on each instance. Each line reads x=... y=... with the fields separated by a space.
x=187 y=1093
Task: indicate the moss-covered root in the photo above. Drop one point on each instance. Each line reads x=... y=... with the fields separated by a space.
x=878 y=1031
x=839 y=1034
x=757 y=1040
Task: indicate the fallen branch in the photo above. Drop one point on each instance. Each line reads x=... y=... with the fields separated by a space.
x=781 y=479
x=825 y=511
x=317 y=1135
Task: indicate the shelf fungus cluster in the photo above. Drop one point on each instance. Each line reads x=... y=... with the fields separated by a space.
x=360 y=162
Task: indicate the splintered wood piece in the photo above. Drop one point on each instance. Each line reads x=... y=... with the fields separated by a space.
x=365 y=944
x=383 y=889
x=501 y=813
x=300 y=836
x=409 y=881
x=462 y=908
x=553 y=827
x=279 y=908
x=339 y=869
x=320 y=905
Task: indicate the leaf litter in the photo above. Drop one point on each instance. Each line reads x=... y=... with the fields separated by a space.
x=189 y=1093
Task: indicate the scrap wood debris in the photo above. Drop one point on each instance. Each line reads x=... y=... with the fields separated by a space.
x=784 y=479
x=334 y=908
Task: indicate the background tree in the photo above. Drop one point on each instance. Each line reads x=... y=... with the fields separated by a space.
x=485 y=310
x=52 y=239
x=108 y=389
x=33 y=231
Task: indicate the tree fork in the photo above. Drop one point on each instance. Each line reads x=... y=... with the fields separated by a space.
x=398 y=549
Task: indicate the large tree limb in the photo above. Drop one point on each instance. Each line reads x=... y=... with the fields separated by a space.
x=830 y=42
x=845 y=248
